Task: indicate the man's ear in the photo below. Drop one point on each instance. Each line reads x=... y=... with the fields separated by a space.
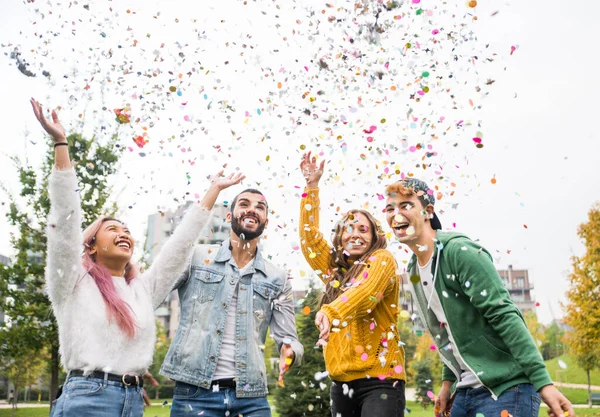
x=430 y=210
x=228 y=217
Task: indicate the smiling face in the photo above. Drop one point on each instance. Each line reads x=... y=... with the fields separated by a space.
x=357 y=235
x=113 y=242
x=249 y=216
x=407 y=217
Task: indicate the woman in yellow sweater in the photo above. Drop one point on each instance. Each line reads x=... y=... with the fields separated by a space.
x=359 y=310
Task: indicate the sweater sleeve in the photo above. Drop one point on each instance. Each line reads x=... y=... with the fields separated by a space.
x=368 y=289
x=174 y=256
x=65 y=239
x=315 y=248
x=480 y=281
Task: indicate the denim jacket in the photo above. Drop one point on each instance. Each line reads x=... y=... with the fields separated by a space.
x=205 y=290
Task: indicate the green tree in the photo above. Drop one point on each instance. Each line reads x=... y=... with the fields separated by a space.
x=303 y=395
x=584 y=299
x=424 y=381
x=537 y=329
x=160 y=351
x=21 y=363
x=408 y=337
x=22 y=297
x=553 y=345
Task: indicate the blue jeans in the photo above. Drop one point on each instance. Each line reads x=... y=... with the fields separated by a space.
x=84 y=396
x=368 y=398
x=190 y=400
x=520 y=401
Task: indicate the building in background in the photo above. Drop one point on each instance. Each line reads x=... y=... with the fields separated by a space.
x=160 y=227
x=520 y=288
x=516 y=282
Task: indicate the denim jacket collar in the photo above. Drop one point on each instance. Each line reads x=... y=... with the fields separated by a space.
x=224 y=255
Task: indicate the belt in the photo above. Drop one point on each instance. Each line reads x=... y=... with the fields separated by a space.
x=223 y=383
x=127 y=380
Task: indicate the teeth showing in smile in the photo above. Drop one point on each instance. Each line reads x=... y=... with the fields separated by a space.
x=249 y=220
x=400 y=226
x=124 y=245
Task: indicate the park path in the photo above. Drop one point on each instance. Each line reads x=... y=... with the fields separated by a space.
x=581 y=386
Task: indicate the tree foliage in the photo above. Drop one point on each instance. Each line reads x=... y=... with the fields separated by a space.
x=424 y=381
x=584 y=297
x=553 y=345
x=32 y=327
x=537 y=329
x=303 y=395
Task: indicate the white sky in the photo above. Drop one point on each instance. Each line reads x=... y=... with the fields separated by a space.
x=536 y=119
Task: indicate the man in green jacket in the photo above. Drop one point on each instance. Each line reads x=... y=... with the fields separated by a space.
x=492 y=366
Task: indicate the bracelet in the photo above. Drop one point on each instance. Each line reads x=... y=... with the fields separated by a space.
x=61 y=144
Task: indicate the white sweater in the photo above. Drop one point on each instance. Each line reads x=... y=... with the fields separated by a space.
x=88 y=340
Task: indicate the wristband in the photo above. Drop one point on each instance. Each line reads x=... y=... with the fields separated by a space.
x=60 y=144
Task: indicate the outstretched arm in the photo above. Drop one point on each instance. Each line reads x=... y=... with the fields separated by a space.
x=175 y=254
x=314 y=247
x=63 y=264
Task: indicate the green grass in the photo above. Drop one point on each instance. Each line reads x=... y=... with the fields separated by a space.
x=573 y=374
x=153 y=411
x=158 y=411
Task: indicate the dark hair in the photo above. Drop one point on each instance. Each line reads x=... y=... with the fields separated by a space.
x=248 y=190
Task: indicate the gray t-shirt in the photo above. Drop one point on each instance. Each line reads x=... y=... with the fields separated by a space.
x=467 y=378
x=226 y=363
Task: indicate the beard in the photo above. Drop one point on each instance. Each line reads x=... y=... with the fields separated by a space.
x=245 y=234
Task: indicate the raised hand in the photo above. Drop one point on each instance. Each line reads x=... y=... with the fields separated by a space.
x=311 y=171
x=221 y=182
x=53 y=128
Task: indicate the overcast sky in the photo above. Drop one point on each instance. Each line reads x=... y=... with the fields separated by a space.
x=536 y=118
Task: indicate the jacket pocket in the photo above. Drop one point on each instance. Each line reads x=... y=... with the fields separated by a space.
x=492 y=365
x=209 y=284
x=261 y=303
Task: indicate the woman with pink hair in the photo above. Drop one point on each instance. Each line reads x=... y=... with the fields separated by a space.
x=104 y=308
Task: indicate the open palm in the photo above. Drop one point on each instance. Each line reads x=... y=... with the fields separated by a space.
x=311 y=171
x=54 y=128
x=222 y=182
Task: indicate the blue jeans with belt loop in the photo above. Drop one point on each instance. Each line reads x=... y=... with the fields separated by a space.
x=191 y=401
x=86 y=396
x=519 y=401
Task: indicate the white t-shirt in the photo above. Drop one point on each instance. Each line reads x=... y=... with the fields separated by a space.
x=226 y=362
x=467 y=378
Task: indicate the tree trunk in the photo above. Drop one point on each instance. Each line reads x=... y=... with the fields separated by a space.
x=15 y=399
x=589 y=389
x=54 y=368
x=156 y=392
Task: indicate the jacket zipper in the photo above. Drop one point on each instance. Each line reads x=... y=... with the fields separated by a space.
x=454 y=346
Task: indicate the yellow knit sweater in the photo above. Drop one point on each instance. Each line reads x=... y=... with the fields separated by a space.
x=364 y=340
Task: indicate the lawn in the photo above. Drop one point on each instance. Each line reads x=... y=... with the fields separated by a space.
x=158 y=411
x=573 y=374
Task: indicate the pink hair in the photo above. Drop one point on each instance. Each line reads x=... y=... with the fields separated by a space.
x=118 y=309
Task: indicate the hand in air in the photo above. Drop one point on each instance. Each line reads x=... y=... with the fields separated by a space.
x=311 y=171
x=222 y=182
x=53 y=128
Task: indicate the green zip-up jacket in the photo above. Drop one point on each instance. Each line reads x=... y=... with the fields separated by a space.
x=489 y=331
